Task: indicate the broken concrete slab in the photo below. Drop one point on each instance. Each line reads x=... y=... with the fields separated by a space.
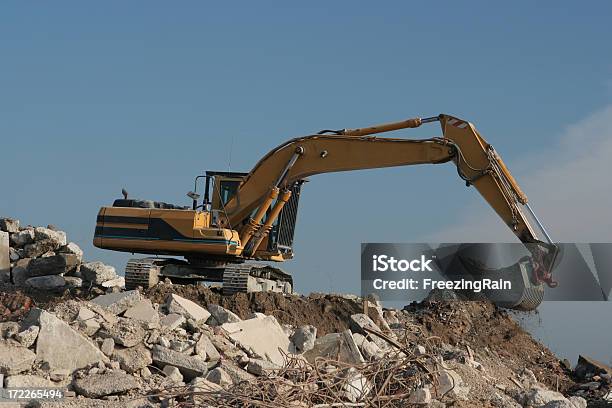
x=28 y=336
x=19 y=273
x=187 y=308
x=118 y=282
x=9 y=225
x=369 y=349
x=144 y=312
x=356 y=387
x=190 y=366
x=221 y=315
x=52 y=265
x=173 y=374
x=450 y=383
x=337 y=346
x=15 y=359
x=49 y=282
x=46 y=234
x=262 y=336
x=126 y=332
x=304 y=338
x=108 y=346
x=109 y=383
x=60 y=346
x=72 y=248
x=205 y=349
x=587 y=366
x=97 y=272
x=360 y=321
x=37 y=248
x=260 y=367
x=28 y=381
x=117 y=303
x=133 y=359
x=24 y=237
x=219 y=376
x=420 y=396
x=172 y=321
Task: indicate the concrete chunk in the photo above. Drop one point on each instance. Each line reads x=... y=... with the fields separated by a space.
x=336 y=346
x=187 y=308
x=60 y=346
x=28 y=381
x=133 y=359
x=304 y=338
x=109 y=383
x=21 y=238
x=172 y=321
x=263 y=336
x=49 y=282
x=5 y=258
x=126 y=332
x=97 y=272
x=28 y=336
x=9 y=225
x=52 y=265
x=15 y=359
x=144 y=312
x=190 y=366
x=222 y=315
x=205 y=349
x=46 y=234
x=117 y=303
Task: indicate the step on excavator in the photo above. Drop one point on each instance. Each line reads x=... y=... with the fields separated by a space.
x=241 y=219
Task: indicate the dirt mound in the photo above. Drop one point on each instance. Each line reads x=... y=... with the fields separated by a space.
x=328 y=313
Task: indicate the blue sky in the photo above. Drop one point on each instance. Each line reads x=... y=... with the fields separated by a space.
x=145 y=95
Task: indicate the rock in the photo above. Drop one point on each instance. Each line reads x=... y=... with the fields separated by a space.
x=360 y=321
x=46 y=234
x=8 y=329
x=49 y=282
x=200 y=384
x=145 y=373
x=261 y=367
x=5 y=257
x=173 y=374
x=19 y=273
x=52 y=265
x=89 y=327
x=420 y=350
x=9 y=225
x=60 y=346
x=338 y=346
x=172 y=321
x=501 y=400
x=205 y=349
x=73 y=282
x=13 y=253
x=538 y=397
x=126 y=332
x=222 y=315
x=59 y=375
x=304 y=338
x=587 y=366
x=85 y=314
x=420 y=396
x=133 y=359
x=118 y=282
x=187 y=308
x=369 y=349
x=108 y=346
x=28 y=381
x=72 y=248
x=38 y=248
x=190 y=366
x=15 y=359
x=263 y=336
x=27 y=337
x=109 y=383
x=24 y=237
x=451 y=384
x=558 y=404
x=219 y=376
x=117 y=303
x=97 y=272
x=578 y=402
x=356 y=387
x=144 y=312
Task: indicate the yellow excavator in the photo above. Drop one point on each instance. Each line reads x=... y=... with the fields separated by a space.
x=246 y=217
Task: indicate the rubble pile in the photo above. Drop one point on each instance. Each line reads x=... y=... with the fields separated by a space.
x=185 y=345
x=42 y=258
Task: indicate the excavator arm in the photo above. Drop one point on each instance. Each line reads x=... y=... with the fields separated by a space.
x=477 y=163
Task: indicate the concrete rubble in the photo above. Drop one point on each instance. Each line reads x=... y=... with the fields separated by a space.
x=110 y=347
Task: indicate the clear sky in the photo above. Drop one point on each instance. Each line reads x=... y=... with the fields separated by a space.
x=146 y=95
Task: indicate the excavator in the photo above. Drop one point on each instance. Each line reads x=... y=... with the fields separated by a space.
x=243 y=218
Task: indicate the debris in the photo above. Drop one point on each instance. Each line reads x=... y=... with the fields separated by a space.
x=28 y=381
x=28 y=336
x=9 y=225
x=109 y=383
x=587 y=366
x=117 y=303
x=173 y=374
x=108 y=346
x=261 y=336
x=172 y=321
x=336 y=346
x=187 y=308
x=205 y=349
x=222 y=315
x=261 y=367
x=5 y=259
x=49 y=282
x=304 y=338
x=97 y=272
x=219 y=376
x=57 y=344
x=15 y=359
x=190 y=366
x=125 y=332
x=421 y=396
